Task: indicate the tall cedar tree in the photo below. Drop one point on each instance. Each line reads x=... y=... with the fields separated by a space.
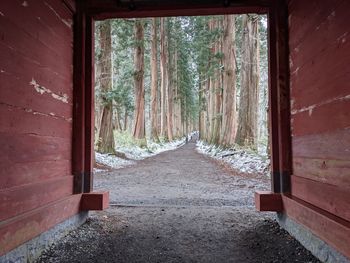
x=105 y=137
x=139 y=115
x=154 y=82
x=248 y=107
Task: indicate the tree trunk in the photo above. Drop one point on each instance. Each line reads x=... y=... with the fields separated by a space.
x=229 y=82
x=164 y=78
x=248 y=110
x=169 y=90
x=139 y=118
x=105 y=136
x=154 y=83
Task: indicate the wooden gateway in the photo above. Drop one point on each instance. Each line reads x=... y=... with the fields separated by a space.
x=46 y=111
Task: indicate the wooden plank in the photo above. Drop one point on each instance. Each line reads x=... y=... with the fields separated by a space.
x=334 y=172
x=105 y=9
x=28 y=46
x=95 y=201
x=22 y=228
x=302 y=24
x=333 y=230
x=268 y=201
x=18 y=200
x=47 y=22
x=331 y=145
x=322 y=79
x=334 y=199
x=23 y=69
x=18 y=148
x=18 y=120
x=25 y=173
x=313 y=121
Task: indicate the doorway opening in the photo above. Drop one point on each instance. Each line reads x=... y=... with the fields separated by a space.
x=161 y=82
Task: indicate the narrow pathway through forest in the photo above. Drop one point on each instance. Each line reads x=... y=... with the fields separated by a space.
x=179 y=206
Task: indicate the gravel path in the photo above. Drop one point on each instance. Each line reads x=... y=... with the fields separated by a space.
x=179 y=206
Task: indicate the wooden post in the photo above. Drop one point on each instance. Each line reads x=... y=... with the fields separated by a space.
x=89 y=105
x=78 y=101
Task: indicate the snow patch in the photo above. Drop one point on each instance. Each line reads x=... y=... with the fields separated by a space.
x=134 y=153
x=241 y=160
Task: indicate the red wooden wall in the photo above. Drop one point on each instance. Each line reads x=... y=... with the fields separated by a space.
x=319 y=43
x=36 y=79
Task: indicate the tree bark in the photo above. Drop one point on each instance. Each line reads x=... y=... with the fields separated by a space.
x=139 y=117
x=154 y=83
x=164 y=78
x=229 y=118
x=248 y=110
x=105 y=136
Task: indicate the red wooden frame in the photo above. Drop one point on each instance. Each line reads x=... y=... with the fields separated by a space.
x=88 y=11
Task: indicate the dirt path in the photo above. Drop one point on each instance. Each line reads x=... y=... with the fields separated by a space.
x=179 y=206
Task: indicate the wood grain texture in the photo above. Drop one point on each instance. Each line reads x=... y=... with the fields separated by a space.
x=333 y=230
x=18 y=174
x=18 y=148
x=323 y=118
x=332 y=145
x=329 y=171
x=333 y=199
x=18 y=200
x=22 y=228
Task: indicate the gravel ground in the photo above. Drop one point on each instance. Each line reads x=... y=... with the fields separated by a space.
x=179 y=206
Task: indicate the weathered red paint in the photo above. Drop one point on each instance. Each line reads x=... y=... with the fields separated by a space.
x=29 y=225
x=332 y=229
x=95 y=201
x=268 y=201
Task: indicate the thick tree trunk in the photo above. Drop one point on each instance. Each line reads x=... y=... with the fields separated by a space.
x=229 y=118
x=154 y=83
x=169 y=90
x=164 y=78
x=139 y=117
x=248 y=110
x=105 y=136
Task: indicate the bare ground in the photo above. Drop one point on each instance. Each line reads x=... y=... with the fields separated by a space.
x=179 y=206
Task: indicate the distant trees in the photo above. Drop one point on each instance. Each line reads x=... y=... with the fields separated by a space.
x=186 y=73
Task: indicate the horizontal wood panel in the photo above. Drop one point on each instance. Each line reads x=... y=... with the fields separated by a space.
x=18 y=120
x=21 y=94
x=334 y=172
x=324 y=118
x=40 y=32
x=327 y=35
x=331 y=229
x=24 y=70
x=322 y=79
x=18 y=200
x=300 y=20
x=334 y=199
x=18 y=148
x=332 y=145
x=27 y=226
x=25 y=173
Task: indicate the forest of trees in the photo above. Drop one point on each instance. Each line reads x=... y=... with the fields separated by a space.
x=161 y=78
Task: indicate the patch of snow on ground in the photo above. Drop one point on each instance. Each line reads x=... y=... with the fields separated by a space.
x=135 y=153
x=241 y=160
x=111 y=161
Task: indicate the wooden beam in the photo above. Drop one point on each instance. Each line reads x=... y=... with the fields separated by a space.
x=89 y=104
x=78 y=157
x=268 y=201
x=95 y=201
x=330 y=228
x=24 y=227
